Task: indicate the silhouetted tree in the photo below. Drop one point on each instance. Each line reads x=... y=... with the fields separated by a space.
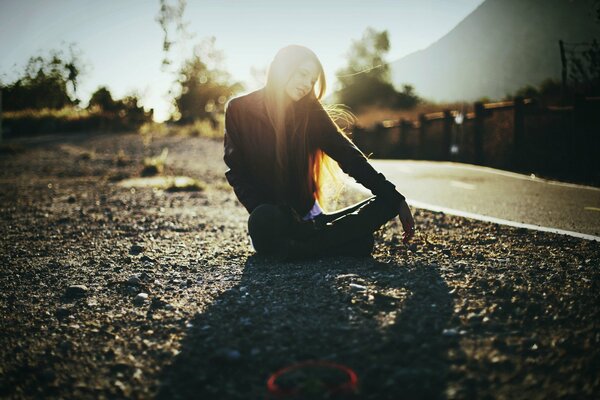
x=584 y=65
x=47 y=82
x=549 y=91
x=102 y=99
x=204 y=85
x=366 y=80
x=128 y=107
x=585 y=70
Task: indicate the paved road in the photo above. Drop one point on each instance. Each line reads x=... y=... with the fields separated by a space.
x=496 y=193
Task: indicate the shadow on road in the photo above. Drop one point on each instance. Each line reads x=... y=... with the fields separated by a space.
x=390 y=333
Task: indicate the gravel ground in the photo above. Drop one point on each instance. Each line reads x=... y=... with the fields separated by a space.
x=112 y=292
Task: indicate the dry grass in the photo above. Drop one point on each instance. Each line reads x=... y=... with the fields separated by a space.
x=202 y=128
x=66 y=113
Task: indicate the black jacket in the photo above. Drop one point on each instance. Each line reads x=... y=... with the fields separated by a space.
x=249 y=152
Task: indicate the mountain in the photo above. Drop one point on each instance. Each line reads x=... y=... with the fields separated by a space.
x=500 y=47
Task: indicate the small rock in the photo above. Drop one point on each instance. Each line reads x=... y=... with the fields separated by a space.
x=134 y=280
x=135 y=250
x=71 y=199
x=357 y=287
x=140 y=298
x=146 y=258
x=450 y=332
x=75 y=291
x=62 y=312
x=158 y=303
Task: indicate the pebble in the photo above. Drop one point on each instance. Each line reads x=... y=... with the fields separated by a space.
x=62 y=312
x=135 y=250
x=357 y=287
x=450 y=332
x=140 y=298
x=146 y=258
x=134 y=280
x=76 y=291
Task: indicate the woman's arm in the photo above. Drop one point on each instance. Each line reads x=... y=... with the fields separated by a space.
x=242 y=184
x=354 y=163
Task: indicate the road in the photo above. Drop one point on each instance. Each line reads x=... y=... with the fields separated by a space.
x=487 y=192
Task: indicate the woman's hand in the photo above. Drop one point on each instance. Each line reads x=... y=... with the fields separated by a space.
x=408 y=223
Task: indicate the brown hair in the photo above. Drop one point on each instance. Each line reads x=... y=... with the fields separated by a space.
x=313 y=166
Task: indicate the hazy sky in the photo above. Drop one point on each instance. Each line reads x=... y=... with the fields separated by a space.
x=121 y=43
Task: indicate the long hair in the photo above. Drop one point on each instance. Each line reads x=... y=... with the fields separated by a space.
x=290 y=123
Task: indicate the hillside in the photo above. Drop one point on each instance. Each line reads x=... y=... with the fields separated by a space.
x=501 y=46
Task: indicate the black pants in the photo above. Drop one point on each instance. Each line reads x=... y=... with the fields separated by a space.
x=278 y=230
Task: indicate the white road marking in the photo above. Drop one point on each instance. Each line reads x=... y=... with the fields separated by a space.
x=485 y=218
x=500 y=221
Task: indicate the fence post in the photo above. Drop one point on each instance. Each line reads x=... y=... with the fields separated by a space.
x=380 y=142
x=421 y=146
x=403 y=137
x=478 y=139
x=447 y=135
x=519 y=132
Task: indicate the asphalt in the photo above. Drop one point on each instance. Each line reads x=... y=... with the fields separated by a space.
x=497 y=194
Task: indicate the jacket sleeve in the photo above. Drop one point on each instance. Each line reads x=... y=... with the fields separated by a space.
x=236 y=174
x=351 y=160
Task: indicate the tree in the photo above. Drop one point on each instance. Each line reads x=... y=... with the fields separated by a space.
x=47 y=82
x=171 y=14
x=585 y=70
x=204 y=86
x=585 y=64
x=366 y=80
x=128 y=107
x=102 y=99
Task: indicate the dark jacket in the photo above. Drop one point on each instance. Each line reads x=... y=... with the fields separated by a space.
x=249 y=152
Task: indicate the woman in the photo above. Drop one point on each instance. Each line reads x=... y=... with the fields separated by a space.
x=278 y=142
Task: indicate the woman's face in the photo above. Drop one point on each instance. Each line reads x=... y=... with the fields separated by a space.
x=302 y=80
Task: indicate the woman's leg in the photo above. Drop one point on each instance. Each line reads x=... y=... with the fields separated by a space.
x=353 y=224
x=328 y=217
x=268 y=226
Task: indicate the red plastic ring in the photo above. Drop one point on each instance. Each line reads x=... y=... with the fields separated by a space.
x=347 y=386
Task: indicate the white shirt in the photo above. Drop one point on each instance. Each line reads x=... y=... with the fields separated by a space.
x=314 y=211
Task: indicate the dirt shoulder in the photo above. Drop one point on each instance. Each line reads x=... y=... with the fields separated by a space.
x=471 y=310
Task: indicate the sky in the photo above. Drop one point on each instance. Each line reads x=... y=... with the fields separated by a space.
x=120 y=42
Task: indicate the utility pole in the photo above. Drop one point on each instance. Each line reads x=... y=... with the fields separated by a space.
x=563 y=60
